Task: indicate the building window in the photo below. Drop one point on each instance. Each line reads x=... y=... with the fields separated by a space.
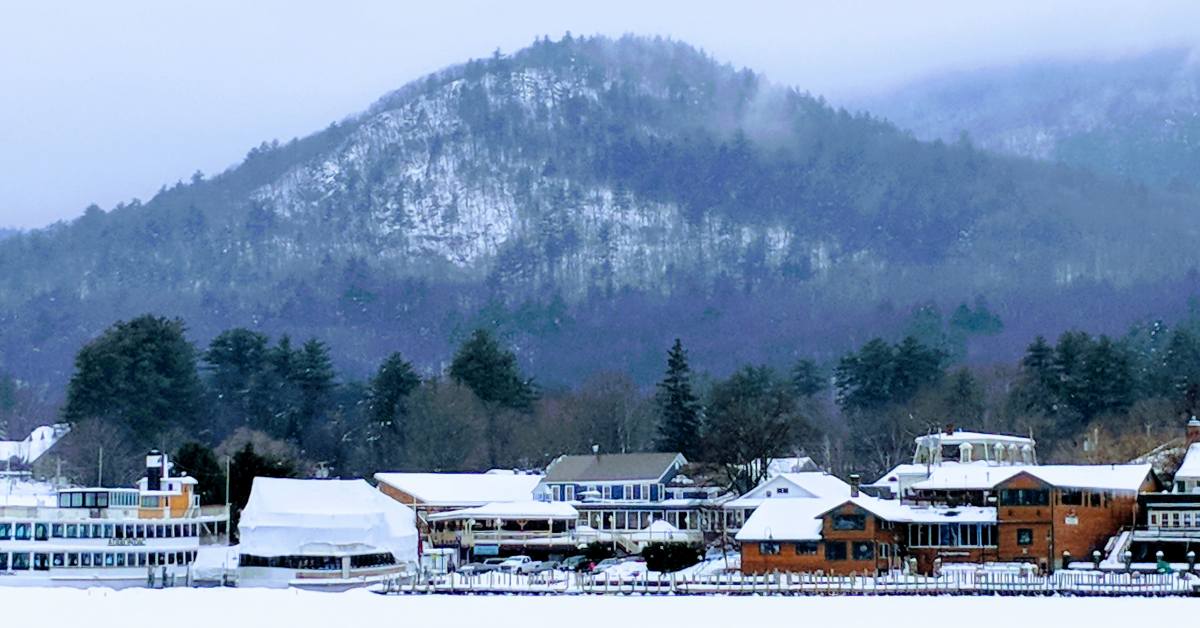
x=1024 y=536
x=768 y=548
x=1071 y=498
x=835 y=550
x=849 y=522
x=806 y=548
x=783 y=490
x=629 y=491
x=1024 y=497
x=556 y=493
x=864 y=550
x=1154 y=519
x=570 y=492
x=646 y=492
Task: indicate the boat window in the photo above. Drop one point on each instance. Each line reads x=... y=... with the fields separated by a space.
x=108 y=531
x=120 y=560
x=3 y=561
x=41 y=532
x=76 y=500
x=72 y=531
x=20 y=561
x=21 y=532
x=98 y=559
x=72 y=560
x=56 y=530
x=109 y=560
x=89 y=500
x=59 y=560
x=64 y=500
x=102 y=500
x=85 y=560
x=5 y=531
x=41 y=562
x=141 y=560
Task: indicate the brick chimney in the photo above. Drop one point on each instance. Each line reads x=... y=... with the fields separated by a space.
x=854 y=481
x=1193 y=431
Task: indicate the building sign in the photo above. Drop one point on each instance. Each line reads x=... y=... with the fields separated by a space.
x=487 y=550
x=1071 y=520
x=129 y=542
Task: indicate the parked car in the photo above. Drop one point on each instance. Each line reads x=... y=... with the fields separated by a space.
x=544 y=566
x=514 y=563
x=606 y=563
x=575 y=563
x=475 y=569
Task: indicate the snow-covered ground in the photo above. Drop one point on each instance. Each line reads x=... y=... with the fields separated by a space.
x=204 y=608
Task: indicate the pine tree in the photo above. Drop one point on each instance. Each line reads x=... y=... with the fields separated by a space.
x=679 y=410
x=491 y=372
x=807 y=379
x=141 y=375
x=389 y=390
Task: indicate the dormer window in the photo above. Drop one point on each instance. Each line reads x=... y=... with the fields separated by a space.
x=783 y=490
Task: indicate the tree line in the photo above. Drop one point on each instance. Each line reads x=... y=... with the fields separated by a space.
x=271 y=406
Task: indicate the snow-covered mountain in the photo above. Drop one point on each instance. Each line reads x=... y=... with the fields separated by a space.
x=1135 y=117
x=593 y=199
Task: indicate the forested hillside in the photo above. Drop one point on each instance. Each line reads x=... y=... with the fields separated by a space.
x=1135 y=117
x=590 y=200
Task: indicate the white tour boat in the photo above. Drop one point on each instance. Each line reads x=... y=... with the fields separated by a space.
x=110 y=537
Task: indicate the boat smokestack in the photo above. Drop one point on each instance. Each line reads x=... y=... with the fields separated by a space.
x=854 y=482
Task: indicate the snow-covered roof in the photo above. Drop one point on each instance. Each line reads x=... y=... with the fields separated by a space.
x=323 y=517
x=796 y=485
x=982 y=476
x=511 y=510
x=660 y=531
x=895 y=511
x=27 y=493
x=1112 y=477
x=787 y=519
x=1190 y=468
x=892 y=478
x=462 y=489
x=32 y=447
x=959 y=436
x=974 y=476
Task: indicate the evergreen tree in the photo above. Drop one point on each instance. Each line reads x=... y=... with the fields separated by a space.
x=200 y=462
x=388 y=392
x=1181 y=368
x=491 y=372
x=807 y=379
x=678 y=408
x=246 y=465
x=864 y=379
x=964 y=398
x=235 y=362
x=139 y=374
x=313 y=376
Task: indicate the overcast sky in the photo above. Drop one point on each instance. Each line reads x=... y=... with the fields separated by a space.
x=106 y=101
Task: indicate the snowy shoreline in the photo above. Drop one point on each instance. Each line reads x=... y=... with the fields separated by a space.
x=293 y=608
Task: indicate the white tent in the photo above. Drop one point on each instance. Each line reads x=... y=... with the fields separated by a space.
x=287 y=517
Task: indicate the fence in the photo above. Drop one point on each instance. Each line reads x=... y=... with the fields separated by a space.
x=958 y=582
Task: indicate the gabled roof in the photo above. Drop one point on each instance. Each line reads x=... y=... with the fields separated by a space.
x=32 y=447
x=800 y=485
x=635 y=468
x=786 y=520
x=462 y=489
x=1190 y=468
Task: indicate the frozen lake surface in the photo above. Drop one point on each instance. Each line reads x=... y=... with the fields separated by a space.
x=204 y=608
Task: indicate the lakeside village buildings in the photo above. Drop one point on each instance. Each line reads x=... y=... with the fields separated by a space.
x=966 y=497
